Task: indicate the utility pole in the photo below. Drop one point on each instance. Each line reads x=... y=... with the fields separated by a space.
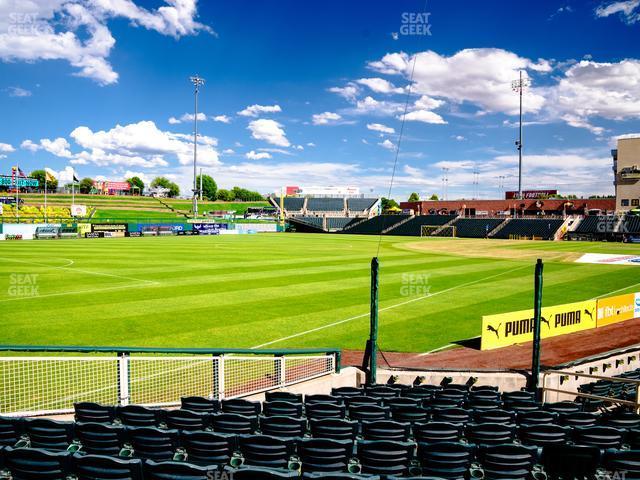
x=200 y=184
x=445 y=182
x=197 y=83
x=518 y=86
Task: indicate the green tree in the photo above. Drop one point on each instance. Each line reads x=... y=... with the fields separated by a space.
x=434 y=197
x=209 y=187
x=388 y=203
x=137 y=183
x=164 y=182
x=52 y=185
x=414 y=197
x=245 y=195
x=85 y=185
x=225 y=195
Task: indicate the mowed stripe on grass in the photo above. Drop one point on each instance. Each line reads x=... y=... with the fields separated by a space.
x=249 y=290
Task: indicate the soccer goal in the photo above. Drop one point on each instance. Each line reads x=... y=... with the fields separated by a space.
x=444 y=231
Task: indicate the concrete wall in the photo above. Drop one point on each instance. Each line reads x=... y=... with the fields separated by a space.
x=629 y=189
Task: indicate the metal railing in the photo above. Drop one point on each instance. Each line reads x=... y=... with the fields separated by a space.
x=51 y=384
x=565 y=376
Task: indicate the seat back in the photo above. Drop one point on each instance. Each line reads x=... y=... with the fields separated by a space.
x=283 y=397
x=100 y=438
x=94 y=412
x=324 y=410
x=152 y=443
x=449 y=460
x=541 y=435
x=346 y=392
x=362 y=400
x=138 y=416
x=90 y=467
x=601 y=437
x=208 y=448
x=258 y=473
x=278 y=407
x=494 y=416
x=368 y=412
x=176 y=471
x=320 y=398
x=507 y=461
x=282 y=426
x=490 y=433
x=200 y=404
x=36 y=464
x=434 y=432
x=11 y=428
x=324 y=455
x=409 y=414
x=334 y=428
x=451 y=415
x=265 y=451
x=536 y=417
x=386 y=430
x=186 y=420
x=382 y=457
x=234 y=423
x=49 y=434
x=381 y=391
x=579 y=419
x=627 y=461
x=570 y=461
x=563 y=407
x=241 y=406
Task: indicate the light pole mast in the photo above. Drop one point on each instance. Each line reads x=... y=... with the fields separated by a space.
x=518 y=86
x=197 y=83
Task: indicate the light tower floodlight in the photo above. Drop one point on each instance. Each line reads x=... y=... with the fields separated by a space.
x=519 y=86
x=197 y=83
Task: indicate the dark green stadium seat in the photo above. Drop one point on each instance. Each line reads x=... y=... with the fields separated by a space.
x=324 y=410
x=287 y=409
x=601 y=437
x=234 y=423
x=152 y=443
x=579 y=419
x=507 y=462
x=208 y=448
x=410 y=414
x=363 y=400
x=347 y=392
x=570 y=461
x=382 y=457
x=386 y=430
x=494 y=416
x=434 y=432
x=176 y=471
x=100 y=438
x=541 y=435
x=11 y=428
x=36 y=463
x=139 y=416
x=334 y=428
x=451 y=415
x=283 y=397
x=450 y=460
x=320 y=398
x=200 y=404
x=490 y=433
x=266 y=451
x=324 y=454
x=92 y=467
x=627 y=461
x=360 y=412
x=283 y=426
x=49 y=434
x=241 y=406
x=94 y=412
x=257 y=473
x=186 y=420
x=563 y=407
x=536 y=417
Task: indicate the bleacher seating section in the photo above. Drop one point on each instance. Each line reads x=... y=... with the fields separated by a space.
x=476 y=227
x=357 y=205
x=591 y=223
x=455 y=431
x=293 y=204
x=414 y=226
x=530 y=228
x=375 y=225
x=313 y=221
x=338 y=223
x=632 y=223
x=325 y=204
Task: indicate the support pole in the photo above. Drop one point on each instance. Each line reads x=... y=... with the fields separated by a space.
x=537 y=315
x=372 y=344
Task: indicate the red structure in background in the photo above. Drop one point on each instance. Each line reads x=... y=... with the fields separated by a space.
x=531 y=194
x=112 y=188
x=496 y=208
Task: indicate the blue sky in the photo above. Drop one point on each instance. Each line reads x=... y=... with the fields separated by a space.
x=313 y=93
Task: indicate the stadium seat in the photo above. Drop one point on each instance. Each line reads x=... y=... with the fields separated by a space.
x=386 y=430
x=518 y=396
x=381 y=391
x=283 y=397
x=363 y=400
x=241 y=406
x=186 y=420
x=176 y=471
x=522 y=406
x=627 y=461
x=207 y=448
x=320 y=398
x=346 y=392
x=493 y=416
x=49 y=434
x=36 y=463
x=152 y=443
x=410 y=414
x=512 y=462
x=541 y=435
x=382 y=457
x=100 y=438
x=490 y=433
x=324 y=410
x=422 y=392
x=333 y=428
x=94 y=412
x=324 y=455
x=452 y=394
x=601 y=437
x=483 y=404
x=90 y=467
x=484 y=395
x=621 y=420
x=265 y=451
x=570 y=461
x=234 y=423
x=563 y=407
x=138 y=416
x=399 y=402
x=200 y=404
x=361 y=412
x=578 y=419
x=433 y=432
x=536 y=417
x=450 y=460
x=257 y=473
x=277 y=408
x=451 y=415
x=342 y=476
x=11 y=428
x=283 y=426
x=444 y=403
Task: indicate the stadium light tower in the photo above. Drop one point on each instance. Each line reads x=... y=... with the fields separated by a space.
x=197 y=83
x=519 y=86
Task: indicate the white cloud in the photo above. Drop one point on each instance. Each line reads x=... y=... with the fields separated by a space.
x=480 y=76
x=255 y=110
x=268 y=130
x=424 y=116
x=388 y=144
x=325 y=118
x=349 y=91
x=380 y=85
x=459 y=138
x=6 y=148
x=378 y=127
x=76 y=31
x=628 y=10
x=187 y=117
x=578 y=122
x=228 y=151
x=311 y=144
x=371 y=106
x=253 y=155
x=58 y=147
x=18 y=92
x=221 y=118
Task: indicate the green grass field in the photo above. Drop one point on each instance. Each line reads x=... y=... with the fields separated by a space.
x=283 y=290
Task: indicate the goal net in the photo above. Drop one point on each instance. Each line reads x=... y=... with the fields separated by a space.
x=438 y=231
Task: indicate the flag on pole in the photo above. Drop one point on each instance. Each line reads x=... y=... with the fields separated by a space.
x=21 y=173
x=48 y=176
x=75 y=179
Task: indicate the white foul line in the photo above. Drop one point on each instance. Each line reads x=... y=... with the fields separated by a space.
x=390 y=307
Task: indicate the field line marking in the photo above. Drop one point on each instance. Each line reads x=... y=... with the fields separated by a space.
x=77 y=270
x=76 y=292
x=616 y=291
x=390 y=307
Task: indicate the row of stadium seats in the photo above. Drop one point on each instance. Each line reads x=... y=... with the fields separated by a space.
x=476 y=227
x=530 y=228
x=414 y=226
x=375 y=225
x=353 y=206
